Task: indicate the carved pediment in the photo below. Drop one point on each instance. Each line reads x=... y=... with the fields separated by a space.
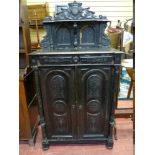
x=75 y=28
x=75 y=11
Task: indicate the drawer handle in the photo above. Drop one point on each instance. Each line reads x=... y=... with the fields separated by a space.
x=76 y=59
x=80 y=107
x=73 y=106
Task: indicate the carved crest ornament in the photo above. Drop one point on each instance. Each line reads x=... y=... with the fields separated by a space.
x=75 y=27
x=75 y=11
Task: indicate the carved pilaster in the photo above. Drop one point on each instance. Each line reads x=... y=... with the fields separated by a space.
x=100 y=35
x=105 y=38
x=105 y=41
x=75 y=35
x=41 y=113
x=47 y=42
x=115 y=81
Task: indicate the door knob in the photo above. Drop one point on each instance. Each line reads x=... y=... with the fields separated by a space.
x=73 y=106
x=75 y=59
x=80 y=107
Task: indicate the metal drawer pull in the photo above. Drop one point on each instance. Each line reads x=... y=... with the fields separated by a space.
x=76 y=59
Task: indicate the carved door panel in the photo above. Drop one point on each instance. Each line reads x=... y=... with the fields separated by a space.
x=93 y=101
x=57 y=85
x=63 y=36
x=88 y=35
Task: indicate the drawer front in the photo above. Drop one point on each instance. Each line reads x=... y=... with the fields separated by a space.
x=71 y=59
x=55 y=60
x=96 y=59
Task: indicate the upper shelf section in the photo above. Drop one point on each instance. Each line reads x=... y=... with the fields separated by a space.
x=75 y=28
x=76 y=12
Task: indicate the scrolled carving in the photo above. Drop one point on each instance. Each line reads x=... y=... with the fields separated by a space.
x=47 y=40
x=106 y=41
x=75 y=11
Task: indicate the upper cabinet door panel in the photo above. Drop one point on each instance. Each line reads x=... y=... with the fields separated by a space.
x=63 y=36
x=88 y=35
x=94 y=86
x=58 y=98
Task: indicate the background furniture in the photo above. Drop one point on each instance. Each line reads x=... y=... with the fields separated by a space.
x=24 y=35
x=36 y=14
x=126 y=112
x=133 y=77
x=128 y=64
x=28 y=114
x=28 y=111
x=116 y=36
x=76 y=75
x=39 y=12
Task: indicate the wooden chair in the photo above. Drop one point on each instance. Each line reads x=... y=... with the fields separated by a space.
x=129 y=53
x=127 y=112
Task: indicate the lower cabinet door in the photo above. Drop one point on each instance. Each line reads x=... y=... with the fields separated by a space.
x=94 y=85
x=57 y=90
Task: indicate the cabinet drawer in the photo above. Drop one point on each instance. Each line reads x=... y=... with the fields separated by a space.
x=72 y=59
x=54 y=60
x=96 y=59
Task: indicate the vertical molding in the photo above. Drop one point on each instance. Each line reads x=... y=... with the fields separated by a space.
x=45 y=142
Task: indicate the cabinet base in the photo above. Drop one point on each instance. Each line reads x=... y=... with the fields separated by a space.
x=45 y=145
x=108 y=143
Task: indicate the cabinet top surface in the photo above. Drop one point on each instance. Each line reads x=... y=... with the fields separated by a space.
x=76 y=52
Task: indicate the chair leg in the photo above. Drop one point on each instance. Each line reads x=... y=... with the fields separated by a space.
x=130 y=88
x=115 y=131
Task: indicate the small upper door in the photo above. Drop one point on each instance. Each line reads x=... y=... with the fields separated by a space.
x=63 y=36
x=57 y=88
x=93 y=101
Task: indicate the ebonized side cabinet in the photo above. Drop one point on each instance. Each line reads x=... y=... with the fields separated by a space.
x=76 y=75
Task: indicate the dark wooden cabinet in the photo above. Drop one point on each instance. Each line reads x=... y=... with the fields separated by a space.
x=77 y=95
x=76 y=77
x=28 y=109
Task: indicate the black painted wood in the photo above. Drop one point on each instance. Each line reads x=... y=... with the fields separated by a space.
x=77 y=95
x=93 y=101
x=76 y=77
x=58 y=98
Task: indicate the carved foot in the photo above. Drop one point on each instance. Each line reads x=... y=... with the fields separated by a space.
x=115 y=133
x=45 y=145
x=31 y=142
x=109 y=144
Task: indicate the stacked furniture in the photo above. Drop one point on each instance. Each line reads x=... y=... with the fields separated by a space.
x=36 y=14
x=28 y=110
x=76 y=77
